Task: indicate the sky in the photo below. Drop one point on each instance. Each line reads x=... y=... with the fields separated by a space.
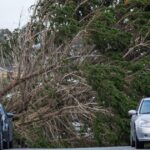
x=14 y=11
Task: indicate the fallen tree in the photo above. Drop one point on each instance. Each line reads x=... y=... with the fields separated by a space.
x=74 y=79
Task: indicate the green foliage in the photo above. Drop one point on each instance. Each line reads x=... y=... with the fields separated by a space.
x=39 y=139
x=119 y=87
x=142 y=83
x=111 y=130
x=106 y=37
x=140 y=21
x=108 y=81
x=64 y=22
x=140 y=2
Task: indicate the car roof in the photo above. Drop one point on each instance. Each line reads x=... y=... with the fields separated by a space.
x=146 y=98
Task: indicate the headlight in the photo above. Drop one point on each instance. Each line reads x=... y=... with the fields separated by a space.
x=143 y=123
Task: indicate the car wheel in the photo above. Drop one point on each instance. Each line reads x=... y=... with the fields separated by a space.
x=11 y=144
x=132 y=142
x=138 y=144
x=1 y=141
x=6 y=145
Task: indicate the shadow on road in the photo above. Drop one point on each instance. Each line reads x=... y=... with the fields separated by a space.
x=147 y=146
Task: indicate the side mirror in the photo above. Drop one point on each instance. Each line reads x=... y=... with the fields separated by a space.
x=132 y=112
x=10 y=115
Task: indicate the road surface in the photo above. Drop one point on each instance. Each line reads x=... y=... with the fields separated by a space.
x=107 y=148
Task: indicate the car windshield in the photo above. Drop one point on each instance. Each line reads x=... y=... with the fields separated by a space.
x=145 y=107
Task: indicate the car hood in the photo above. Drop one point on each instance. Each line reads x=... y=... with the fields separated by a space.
x=144 y=117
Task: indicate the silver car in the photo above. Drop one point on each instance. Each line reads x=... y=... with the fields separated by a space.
x=140 y=124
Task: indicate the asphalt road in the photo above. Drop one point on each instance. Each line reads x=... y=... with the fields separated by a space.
x=98 y=148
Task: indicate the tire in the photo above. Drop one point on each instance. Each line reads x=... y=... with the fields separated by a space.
x=132 y=142
x=1 y=141
x=6 y=145
x=11 y=144
x=138 y=144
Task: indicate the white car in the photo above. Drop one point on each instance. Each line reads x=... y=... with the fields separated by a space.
x=140 y=124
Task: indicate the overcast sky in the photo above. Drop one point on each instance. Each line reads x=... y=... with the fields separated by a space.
x=11 y=10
